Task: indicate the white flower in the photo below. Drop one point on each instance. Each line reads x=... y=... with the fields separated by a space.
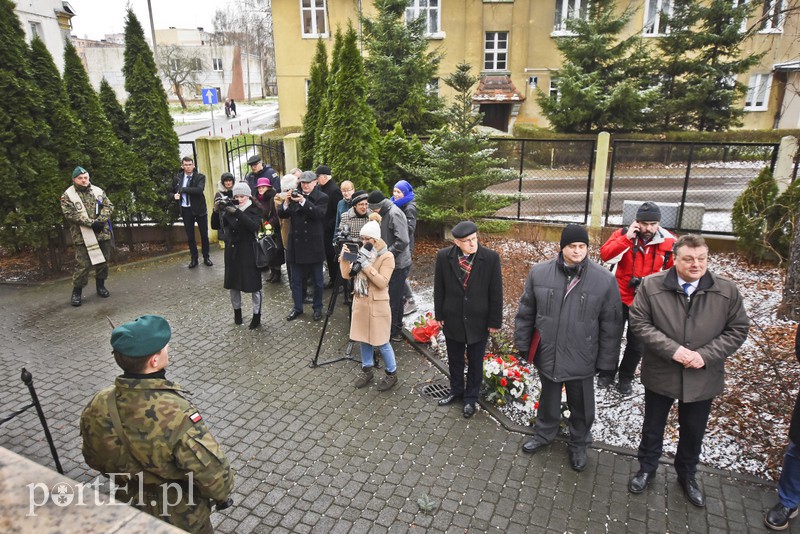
x=566 y=414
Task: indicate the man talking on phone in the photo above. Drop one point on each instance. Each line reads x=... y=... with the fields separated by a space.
x=641 y=249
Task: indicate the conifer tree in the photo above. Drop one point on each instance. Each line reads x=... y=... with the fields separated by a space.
x=602 y=84
x=28 y=171
x=399 y=69
x=750 y=216
x=114 y=112
x=460 y=164
x=322 y=134
x=397 y=151
x=153 y=136
x=317 y=88
x=353 y=141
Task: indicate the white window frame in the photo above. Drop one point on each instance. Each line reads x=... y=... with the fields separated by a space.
x=314 y=8
x=758 y=86
x=36 y=30
x=737 y=4
x=493 y=64
x=431 y=13
x=771 y=10
x=661 y=7
x=569 y=9
x=216 y=64
x=553 y=92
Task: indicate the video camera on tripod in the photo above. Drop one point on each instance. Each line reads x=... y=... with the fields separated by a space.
x=345 y=245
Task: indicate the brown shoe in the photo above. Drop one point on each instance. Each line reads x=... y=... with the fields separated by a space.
x=364 y=377
x=387 y=382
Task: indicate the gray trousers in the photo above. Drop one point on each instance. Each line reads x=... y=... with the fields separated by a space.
x=236 y=300
x=580 y=400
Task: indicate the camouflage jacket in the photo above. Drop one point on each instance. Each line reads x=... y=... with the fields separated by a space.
x=75 y=218
x=168 y=441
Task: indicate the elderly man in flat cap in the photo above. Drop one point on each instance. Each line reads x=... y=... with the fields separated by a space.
x=88 y=213
x=145 y=432
x=468 y=304
x=259 y=170
x=573 y=303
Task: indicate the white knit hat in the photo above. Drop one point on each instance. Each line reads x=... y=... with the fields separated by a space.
x=288 y=182
x=371 y=229
x=241 y=188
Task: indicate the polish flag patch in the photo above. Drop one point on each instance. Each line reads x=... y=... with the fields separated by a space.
x=196 y=417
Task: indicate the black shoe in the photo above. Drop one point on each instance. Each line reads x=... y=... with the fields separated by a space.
x=578 y=459
x=450 y=399
x=778 y=517
x=101 y=289
x=193 y=263
x=207 y=261
x=317 y=315
x=469 y=410
x=237 y=316
x=75 y=300
x=640 y=481
x=625 y=386
x=604 y=381
x=534 y=445
x=255 y=321
x=294 y=315
x=692 y=491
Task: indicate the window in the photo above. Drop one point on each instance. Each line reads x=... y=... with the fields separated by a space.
x=433 y=87
x=427 y=9
x=495 y=51
x=740 y=4
x=554 y=88
x=314 y=18
x=757 y=92
x=773 y=15
x=656 y=16
x=195 y=64
x=216 y=63
x=36 y=30
x=569 y=9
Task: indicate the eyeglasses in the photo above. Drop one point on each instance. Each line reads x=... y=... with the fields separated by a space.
x=468 y=240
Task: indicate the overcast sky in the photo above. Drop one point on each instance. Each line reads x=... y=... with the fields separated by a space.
x=95 y=18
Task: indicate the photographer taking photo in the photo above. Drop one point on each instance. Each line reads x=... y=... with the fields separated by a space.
x=371 y=320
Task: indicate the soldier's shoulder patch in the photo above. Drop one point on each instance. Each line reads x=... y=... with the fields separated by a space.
x=196 y=417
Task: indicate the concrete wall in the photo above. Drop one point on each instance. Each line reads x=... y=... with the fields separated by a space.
x=45 y=13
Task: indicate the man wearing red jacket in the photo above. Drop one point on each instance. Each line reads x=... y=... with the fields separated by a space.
x=642 y=249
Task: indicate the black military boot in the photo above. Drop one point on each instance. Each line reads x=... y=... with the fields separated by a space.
x=76 y=296
x=101 y=288
x=237 y=316
x=255 y=321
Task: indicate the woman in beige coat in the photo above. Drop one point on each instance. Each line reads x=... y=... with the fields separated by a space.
x=371 y=320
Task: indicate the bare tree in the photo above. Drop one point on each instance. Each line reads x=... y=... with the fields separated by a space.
x=789 y=307
x=180 y=66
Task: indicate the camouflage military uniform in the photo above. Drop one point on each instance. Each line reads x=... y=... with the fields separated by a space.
x=168 y=440
x=96 y=211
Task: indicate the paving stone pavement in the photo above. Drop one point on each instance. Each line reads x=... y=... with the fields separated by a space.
x=311 y=453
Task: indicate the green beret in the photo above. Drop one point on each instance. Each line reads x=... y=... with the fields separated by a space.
x=77 y=171
x=141 y=337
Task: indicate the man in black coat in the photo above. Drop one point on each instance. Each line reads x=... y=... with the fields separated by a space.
x=187 y=190
x=326 y=184
x=259 y=170
x=305 y=250
x=778 y=516
x=468 y=304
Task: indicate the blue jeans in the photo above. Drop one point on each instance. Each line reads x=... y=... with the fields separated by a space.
x=789 y=483
x=298 y=271
x=387 y=353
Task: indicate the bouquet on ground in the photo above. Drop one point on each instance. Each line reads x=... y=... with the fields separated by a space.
x=425 y=328
x=505 y=380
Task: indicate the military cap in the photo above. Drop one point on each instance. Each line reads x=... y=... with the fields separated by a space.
x=254 y=159
x=141 y=337
x=77 y=171
x=464 y=228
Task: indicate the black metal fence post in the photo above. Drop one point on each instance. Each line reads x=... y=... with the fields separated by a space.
x=679 y=222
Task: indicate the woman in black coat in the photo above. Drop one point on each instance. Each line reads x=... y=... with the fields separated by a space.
x=241 y=274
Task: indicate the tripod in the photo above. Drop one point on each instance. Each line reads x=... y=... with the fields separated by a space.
x=338 y=283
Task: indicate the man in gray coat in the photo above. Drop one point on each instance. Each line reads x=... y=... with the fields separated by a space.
x=574 y=305
x=689 y=320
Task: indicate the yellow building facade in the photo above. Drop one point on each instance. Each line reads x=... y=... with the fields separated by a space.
x=512 y=45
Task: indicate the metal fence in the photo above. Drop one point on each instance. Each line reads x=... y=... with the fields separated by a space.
x=187 y=148
x=695 y=184
x=555 y=178
x=239 y=150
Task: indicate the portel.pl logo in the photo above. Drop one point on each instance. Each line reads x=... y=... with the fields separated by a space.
x=65 y=494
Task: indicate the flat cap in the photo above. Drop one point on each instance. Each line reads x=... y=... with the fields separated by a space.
x=307 y=177
x=77 y=171
x=141 y=337
x=252 y=160
x=464 y=228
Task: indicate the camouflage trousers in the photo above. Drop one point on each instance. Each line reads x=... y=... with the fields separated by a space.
x=83 y=264
x=195 y=518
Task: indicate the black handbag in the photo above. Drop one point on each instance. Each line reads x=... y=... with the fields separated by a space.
x=264 y=250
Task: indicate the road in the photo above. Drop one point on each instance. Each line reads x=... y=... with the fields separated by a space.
x=250 y=119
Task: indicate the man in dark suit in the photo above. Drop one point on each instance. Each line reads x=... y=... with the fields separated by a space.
x=305 y=250
x=468 y=304
x=187 y=189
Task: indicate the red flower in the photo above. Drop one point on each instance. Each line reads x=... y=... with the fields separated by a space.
x=503 y=382
x=536 y=405
x=524 y=397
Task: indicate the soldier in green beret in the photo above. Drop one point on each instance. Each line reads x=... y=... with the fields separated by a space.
x=144 y=427
x=88 y=213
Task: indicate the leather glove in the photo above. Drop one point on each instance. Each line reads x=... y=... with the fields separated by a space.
x=231 y=209
x=97 y=226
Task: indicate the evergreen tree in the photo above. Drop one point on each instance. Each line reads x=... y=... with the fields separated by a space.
x=460 y=164
x=396 y=151
x=399 y=69
x=322 y=134
x=750 y=216
x=114 y=112
x=602 y=84
x=353 y=141
x=28 y=172
x=153 y=136
x=317 y=89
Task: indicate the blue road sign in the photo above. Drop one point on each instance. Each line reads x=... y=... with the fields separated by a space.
x=210 y=96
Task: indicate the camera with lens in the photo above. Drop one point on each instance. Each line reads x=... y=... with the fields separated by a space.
x=345 y=245
x=225 y=201
x=635 y=281
x=297 y=192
